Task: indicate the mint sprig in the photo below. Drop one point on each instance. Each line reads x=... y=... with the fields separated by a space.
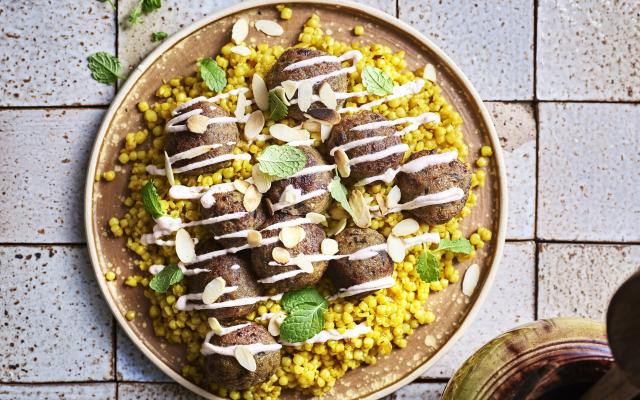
x=376 y=81
x=281 y=161
x=456 y=246
x=170 y=275
x=305 y=314
x=151 y=200
x=212 y=75
x=277 y=107
x=159 y=36
x=104 y=67
x=427 y=265
x=340 y=193
x=145 y=6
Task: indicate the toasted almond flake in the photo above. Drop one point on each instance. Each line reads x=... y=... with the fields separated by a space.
x=342 y=162
x=361 y=214
x=214 y=324
x=260 y=179
x=381 y=203
x=185 y=246
x=197 y=123
x=429 y=73
x=324 y=115
x=280 y=255
x=288 y=134
x=240 y=106
x=311 y=125
x=328 y=96
x=430 y=341
x=268 y=27
x=316 y=218
x=245 y=358
x=338 y=227
x=305 y=94
x=406 y=227
x=213 y=290
x=325 y=132
x=275 y=322
x=470 y=280
x=290 y=195
x=240 y=31
x=395 y=248
x=254 y=125
x=393 y=197
x=290 y=236
x=329 y=247
x=241 y=185
x=254 y=238
x=252 y=198
x=290 y=88
x=279 y=91
x=303 y=263
x=243 y=51
x=168 y=170
x=337 y=212
x=260 y=92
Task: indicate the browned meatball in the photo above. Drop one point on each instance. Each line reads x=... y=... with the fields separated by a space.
x=345 y=273
x=261 y=256
x=433 y=180
x=177 y=142
x=307 y=184
x=277 y=75
x=342 y=134
x=235 y=271
x=229 y=203
x=226 y=371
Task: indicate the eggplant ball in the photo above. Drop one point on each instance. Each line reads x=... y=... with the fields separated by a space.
x=277 y=75
x=344 y=272
x=342 y=134
x=226 y=371
x=229 y=203
x=431 y=180
x=234 y=271
x=261 y=256
x=306 y=184
x=183 y=140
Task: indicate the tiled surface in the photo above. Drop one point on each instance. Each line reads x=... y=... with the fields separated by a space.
x=572 y=171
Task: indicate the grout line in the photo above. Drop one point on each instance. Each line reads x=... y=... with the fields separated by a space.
x=114 y=333
x=43 y=244
x=430 y=380
x=588 y=101
x=117 y=41
x=536 y=116
x=536 y=288
x=398 y=9
x=57 y=107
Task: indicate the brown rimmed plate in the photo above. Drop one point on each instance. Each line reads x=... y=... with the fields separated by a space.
x=176 y=57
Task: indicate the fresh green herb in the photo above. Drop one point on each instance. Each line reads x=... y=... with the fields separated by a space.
x=281 y=161
x=277 y=107
x=151 y=5
x=145 y=6
x=305 y=314
x=135 y=14
x=376 y=81
x=111 y=3
x=427 y=267
x=170 y=275
x=340 y=194
x=159 y=36
x=212 y=74
x=151 y=200
x=456 y=246
x=104 y=67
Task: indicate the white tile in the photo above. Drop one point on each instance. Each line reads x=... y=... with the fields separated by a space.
x=56 y=325
x=132 y=365
x=590 y=181
x=153 y=391
x=88 y=391
x=388 y=6
x=418 y=391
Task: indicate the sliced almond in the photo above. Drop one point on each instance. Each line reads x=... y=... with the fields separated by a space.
x=329 y=247
x=316 y=218
x=290 y=88
x=325 y=132
x=254 y=238
x=252 y=198
x=279 y=91
x=275 y=322
x=305 y=95
x=395 y=248
x=241 y=185
x=342 y=162
x=268 y=27
x=303 y=263
x=361 y=214
x=213 y=290
x=260 y=92
x=337 y=212
x=393 y=197
x=280 y=255
x=470 y=280
x=260 y=179
x=311 y=125
x=168 y=170
x=382 y=204
x=325 y=115
x=287 y=133
x=240 y=106
x=290 y=195
x=328 y=96
x=406 y=227
x=338 y=227
x=269 y=206
x=254 y=125
x=215 y=326
x=243 y=51
x=185 y=247
x=197 y=123
x=240 y=31
x=290 y=236
x=245 y=358
x=429 y=72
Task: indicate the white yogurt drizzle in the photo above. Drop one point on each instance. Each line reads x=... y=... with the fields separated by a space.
x=196 y=151
x=166 y=225
x=446 y=196
x=395 y=149
x=371 y=286
x=407 y=89
x=213 y=99
x=181 y=303
x=281 y=204
x=411 y=167
x=153 y=170
x=208 y=349
x=354 y=55
x=333 y=334
x=226 y=330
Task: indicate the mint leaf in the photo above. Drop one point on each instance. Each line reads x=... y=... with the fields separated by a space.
x=151 y=200
x=281 y=161
x=294 y=298
x=456 y=246
x=277 y=107
x=159 y=36
x=212 y=74
x=104 y=67
x=427 y=267
x=110 y=3
x=376 y=82
x=135 y=14
x=151 y=5
x=305 y=308
x=340 y=194
x=170 y=275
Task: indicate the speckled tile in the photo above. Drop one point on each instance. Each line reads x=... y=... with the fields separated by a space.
x=388 y=6
x=516 y=128
x=418 y=391
x=56 y=325
x=490 y=40
x=44 y=50
x=132 y=365
x=579 y=279
x=590 y=181
x=98 y=391
x=42 y=173
x=153 y=391
x=588 y=50
x=510 y=303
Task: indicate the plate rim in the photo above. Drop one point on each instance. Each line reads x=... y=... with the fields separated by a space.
x=168 y=43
